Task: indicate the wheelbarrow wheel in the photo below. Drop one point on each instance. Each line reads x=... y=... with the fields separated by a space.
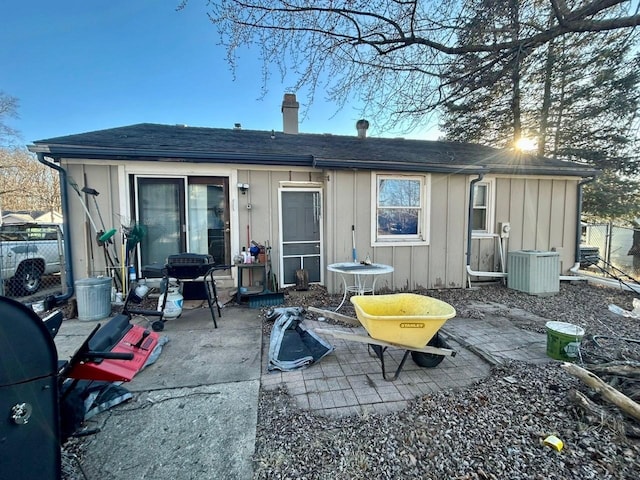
x=429 y=360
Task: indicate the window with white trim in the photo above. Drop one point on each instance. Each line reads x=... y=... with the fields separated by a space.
x=400 y=208
x=483 y=207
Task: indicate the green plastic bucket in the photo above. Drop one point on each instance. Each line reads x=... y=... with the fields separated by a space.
x=563 y=340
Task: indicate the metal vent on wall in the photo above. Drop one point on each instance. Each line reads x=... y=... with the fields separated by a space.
x=534 y=272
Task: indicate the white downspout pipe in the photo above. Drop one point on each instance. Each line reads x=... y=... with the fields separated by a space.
x=471 y=272
x=607 y=282
x=575 y=270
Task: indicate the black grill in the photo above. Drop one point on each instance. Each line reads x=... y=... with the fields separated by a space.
x=29 y=408
x=189 y=265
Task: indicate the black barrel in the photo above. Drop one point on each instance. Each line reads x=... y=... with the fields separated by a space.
x=29 y=418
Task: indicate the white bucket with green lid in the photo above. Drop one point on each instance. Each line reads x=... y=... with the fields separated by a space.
x=563 y=340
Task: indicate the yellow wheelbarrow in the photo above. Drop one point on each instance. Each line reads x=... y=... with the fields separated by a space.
x=402 y=320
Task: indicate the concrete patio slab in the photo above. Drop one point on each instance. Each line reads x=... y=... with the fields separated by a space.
x=194 y=410
x=184 y=433
x=498 y=340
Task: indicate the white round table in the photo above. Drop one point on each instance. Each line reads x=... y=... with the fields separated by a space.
x=360 y=274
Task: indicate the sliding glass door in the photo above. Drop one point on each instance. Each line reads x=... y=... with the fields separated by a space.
x=197 y=222
x=161 y=212
x=209 y=217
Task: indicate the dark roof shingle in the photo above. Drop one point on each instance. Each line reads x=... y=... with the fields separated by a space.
x=148 y=141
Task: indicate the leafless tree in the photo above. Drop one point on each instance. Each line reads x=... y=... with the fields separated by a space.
x=392 y=54
x=8 y=109
x=26 y=184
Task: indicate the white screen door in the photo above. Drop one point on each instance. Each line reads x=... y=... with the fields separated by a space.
x=300 y=234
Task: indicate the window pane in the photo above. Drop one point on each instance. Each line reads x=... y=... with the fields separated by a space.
x=479 y=219
x=160 y=209
x=290 y=265
x=480 y=196
x=198 y=219
x=312 y=265
x=398 y=221
x=291 y=249
x=207 y=220
x=398 y=193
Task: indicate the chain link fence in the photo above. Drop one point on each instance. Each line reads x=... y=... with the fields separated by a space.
x=32 y=264
x=614 y=245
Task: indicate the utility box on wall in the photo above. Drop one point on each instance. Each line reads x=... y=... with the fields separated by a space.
x=534 y=272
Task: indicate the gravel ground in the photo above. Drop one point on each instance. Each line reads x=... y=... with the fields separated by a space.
x=492 y=430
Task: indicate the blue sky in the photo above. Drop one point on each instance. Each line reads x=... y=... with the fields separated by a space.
x=82 y=65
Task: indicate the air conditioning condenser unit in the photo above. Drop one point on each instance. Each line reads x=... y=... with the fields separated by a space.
x=534 y=272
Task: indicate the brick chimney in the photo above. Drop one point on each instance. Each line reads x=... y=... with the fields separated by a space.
x=362 y=126
x=290 y=108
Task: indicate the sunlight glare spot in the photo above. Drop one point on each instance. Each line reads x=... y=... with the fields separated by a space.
x=526 y=144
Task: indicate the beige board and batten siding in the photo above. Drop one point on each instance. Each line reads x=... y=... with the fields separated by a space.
x=88 y=258
x=541 y=212
x=262 y=195
x=440 y=263
x=263 y=218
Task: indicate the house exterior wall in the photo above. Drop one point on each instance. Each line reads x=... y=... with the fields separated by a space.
x=110 y=179
x=542 y=214
x=438 y=264
x=87 y=257
x=261 y=222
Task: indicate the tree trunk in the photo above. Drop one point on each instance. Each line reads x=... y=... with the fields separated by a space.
x=610 y=394
x=594 y=412
x=620 y=369
x=515 y=73
x=557 y=139
x=546 y=100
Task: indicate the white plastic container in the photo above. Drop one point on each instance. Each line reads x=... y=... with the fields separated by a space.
x=142 y=289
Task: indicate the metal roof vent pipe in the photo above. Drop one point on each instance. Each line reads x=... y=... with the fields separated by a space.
x=362 y=126
x=290 y=108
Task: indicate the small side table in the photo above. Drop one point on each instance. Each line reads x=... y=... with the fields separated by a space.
x=253 y=269
x=360 y=274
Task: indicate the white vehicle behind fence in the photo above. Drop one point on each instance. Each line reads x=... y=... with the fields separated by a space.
x=28 y=252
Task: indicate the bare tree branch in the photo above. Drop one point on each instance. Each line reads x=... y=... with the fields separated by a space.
x=394 y=53
x=578 y=20
x=26 y=184
x=8 y=109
